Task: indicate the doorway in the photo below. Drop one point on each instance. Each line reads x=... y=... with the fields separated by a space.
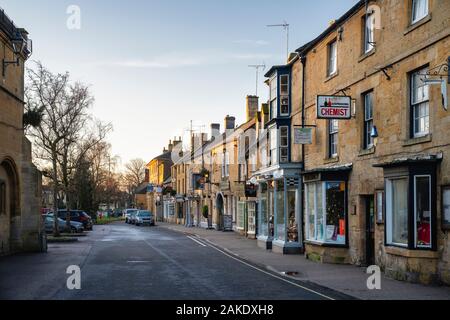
x=220 y=207
x=370 y=229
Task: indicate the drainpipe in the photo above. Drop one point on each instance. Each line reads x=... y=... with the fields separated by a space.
x=302 y=194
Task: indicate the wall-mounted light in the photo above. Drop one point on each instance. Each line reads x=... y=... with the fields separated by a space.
x=18 y=44
x=374 y=132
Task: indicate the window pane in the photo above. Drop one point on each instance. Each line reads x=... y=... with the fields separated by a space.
x=292 y=219
x=332 y=58
x=369 y=35
x=280 y=210
x=335 y=218
x=419 y=9
x=399 y=207
x=423 y=212
x=284 y=84
x=310 y=211
x=319 y=221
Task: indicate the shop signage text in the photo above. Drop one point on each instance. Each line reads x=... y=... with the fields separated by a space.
x=302 y=135
x=334 y=107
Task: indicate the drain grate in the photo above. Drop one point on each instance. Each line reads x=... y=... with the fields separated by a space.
x=291 y=273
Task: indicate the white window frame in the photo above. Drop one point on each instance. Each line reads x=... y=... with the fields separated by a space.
x=332 y=58
x=414 y=7
x=335 y=135
x=419 y=104
x=368 y=139
x=273 y=103
x=274 y=144
x=389 y=212
x=369 y=33
x=415 y=213
x=281 y=146
x=281 y=85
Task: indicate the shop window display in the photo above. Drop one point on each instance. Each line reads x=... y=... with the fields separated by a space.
x=292 y=229
x=326 y=212
x=264 y=215
x=280 y=225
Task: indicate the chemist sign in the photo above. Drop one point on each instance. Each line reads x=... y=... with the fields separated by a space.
x=334 y=107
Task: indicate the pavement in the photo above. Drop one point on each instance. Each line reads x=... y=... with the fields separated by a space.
x=346 y=279
x=125 y=262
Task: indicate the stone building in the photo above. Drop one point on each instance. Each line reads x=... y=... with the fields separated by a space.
x=376 y=184
x=21 y=227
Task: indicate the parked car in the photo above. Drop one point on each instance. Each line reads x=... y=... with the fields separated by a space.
x=75 y=227
x=127 y=214
x=144 y=217
x=78 y=216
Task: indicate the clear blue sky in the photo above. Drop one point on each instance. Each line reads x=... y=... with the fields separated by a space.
x=156 y=65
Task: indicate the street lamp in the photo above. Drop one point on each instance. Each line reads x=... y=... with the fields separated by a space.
x=18 y=44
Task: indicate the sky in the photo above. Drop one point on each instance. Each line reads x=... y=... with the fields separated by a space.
x=155 y=65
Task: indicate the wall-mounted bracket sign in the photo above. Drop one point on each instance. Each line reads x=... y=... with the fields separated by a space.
x=334 y=107
x=303 y=135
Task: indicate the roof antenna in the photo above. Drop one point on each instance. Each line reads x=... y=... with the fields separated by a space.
x=257 y=67
x=285 y=26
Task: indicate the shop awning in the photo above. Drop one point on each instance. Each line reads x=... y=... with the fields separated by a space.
x=411 y=160
x=337 y=168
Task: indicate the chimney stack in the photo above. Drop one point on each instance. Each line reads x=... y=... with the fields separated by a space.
x=251 y=107
x=215 y=130
x=230 y=123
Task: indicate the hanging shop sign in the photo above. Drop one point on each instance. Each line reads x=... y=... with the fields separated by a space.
x=302 y=135
x=334 y=107
x=251 y=190
x=198 y=181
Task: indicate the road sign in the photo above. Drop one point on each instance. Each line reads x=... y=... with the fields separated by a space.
x=334 y=107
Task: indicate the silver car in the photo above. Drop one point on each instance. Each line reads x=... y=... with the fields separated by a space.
x=144 y=217
x=128 y=213
x=75 y=227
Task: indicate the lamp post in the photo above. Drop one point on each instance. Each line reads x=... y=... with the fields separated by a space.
x=18 y=44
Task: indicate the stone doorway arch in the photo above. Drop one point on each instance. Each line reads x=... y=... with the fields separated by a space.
x=9 y=179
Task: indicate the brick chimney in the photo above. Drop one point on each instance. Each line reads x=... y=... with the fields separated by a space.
x=251 y=107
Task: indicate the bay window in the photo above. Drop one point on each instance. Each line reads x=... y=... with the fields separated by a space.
x=420 y=109
x=422 y=211
x=397 y=211
x=284 y=144
x=410 y=211
x=325 y=212
x=273 y=146
x=273 y=97
x=419 y=10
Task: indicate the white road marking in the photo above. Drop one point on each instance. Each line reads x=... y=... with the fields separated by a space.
x=195 y=240
x=265 y=272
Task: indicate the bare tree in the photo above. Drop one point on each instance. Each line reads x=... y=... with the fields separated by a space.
x=60 y=138
x=135 y=174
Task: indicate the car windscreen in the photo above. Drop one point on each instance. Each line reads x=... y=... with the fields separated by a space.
x=144 y=214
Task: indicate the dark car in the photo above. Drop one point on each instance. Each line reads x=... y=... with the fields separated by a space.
x=78 y=216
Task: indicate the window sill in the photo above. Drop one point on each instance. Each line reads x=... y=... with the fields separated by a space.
x=413 y=141
x=366 y=152
x=326 y=244
x=364 y=56
x=407 y=253
x=417 y=24
x=331 y=76
x=331 y=160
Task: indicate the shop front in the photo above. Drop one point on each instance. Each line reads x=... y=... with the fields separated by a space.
x=411 y=219
x=326 y=214
x=279 y=206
